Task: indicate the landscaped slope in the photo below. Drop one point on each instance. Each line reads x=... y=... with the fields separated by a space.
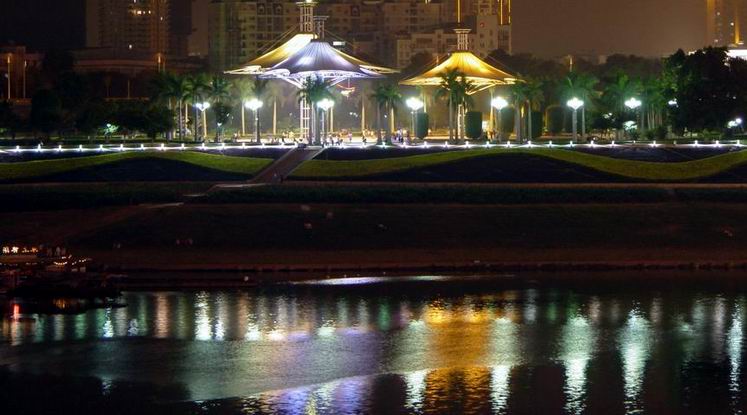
x=631 y=169
x=42 y=168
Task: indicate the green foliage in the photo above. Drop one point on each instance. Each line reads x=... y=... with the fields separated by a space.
x=709 y=87
x=555 y=119
x=473 y=124
x=507 y=120
x=537 y=123
x=158 y=119
x=46 y=111
x=421 y=125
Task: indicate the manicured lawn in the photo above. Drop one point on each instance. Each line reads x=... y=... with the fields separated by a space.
x=639 y=170
x=41 y=168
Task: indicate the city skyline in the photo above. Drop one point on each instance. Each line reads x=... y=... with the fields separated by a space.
x=584 y=27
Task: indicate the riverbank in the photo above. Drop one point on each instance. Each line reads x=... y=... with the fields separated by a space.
x=273 y=238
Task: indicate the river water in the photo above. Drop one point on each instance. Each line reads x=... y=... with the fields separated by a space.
x=421 y=345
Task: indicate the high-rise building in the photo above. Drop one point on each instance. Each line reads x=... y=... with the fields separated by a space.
x=725 y=20
x=387 y=31
x=137 y=25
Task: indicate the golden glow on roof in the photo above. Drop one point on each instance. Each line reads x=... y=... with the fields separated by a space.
x=275 y=56
x=474 y=68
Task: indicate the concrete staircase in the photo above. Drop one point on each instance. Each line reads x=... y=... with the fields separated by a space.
x=284 y=166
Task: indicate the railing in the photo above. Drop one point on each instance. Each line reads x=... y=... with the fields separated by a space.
x=218 y=147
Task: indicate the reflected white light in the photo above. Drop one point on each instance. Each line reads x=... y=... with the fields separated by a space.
x=499 y=384
x=415 y=382
x=108 y=327
x=252 y=333
x=734 y=349
x=202 y=321
x=576 y=349
x=635 y=344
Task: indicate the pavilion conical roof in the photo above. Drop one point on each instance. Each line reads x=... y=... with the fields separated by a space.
x=480 y=73
x=261 y=63
x=319 y=58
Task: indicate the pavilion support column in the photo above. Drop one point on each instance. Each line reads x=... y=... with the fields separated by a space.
x=363 y=115
x=275 y=117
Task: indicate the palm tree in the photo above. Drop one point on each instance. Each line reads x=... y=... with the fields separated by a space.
x=260 y=89
x=449 y=89
x=534 y=91
x=617 y=92
x=242 y=91
x=197 y=87
x=464 y=91
x=581 y=86
x=170 y=88
x=219 y=93
x=388 y=97
x=314 y=90
x=654 y=101
x=518 y=94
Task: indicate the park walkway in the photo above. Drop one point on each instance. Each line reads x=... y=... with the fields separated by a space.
x=282 y=167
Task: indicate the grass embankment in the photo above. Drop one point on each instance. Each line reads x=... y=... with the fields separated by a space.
x=639 y=170
x=41 y=168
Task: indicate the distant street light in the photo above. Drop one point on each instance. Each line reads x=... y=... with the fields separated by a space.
x=325 y=104
x=415 y=105
x=575 y=103
x=203 y=106
x=254 y=104
x=634 y=103
x=499 y=103
x=672 y=102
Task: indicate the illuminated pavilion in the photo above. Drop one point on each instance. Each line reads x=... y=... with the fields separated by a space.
x=307 y=55
x=481 y=74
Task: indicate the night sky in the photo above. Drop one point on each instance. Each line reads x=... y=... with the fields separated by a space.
x=542 y=27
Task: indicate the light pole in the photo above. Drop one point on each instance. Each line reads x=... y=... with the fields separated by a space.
x=254 y=104
x=325 y=104
x=9 y=61
x=415 y=105
x=633 y=104
x=203 y=106
x=575 y=103
x=499 y=103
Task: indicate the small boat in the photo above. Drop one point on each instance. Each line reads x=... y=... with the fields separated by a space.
x=57 y=276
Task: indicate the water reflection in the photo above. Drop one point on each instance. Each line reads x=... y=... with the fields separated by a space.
x=311 y=351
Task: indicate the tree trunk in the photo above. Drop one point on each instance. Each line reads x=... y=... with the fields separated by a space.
x=530 y=132
x=451 y=120
x=517 y=122
x=378 y=124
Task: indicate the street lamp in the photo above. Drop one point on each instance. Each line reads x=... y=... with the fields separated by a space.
x=254 y=104
x=499 y=103
x=634 y=103
x=203 y=106
x=575 y=103
x=415 y=105
x=325 y=104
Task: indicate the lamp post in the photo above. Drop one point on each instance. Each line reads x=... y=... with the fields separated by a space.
x=203 y=106
x=634 y=103
x=9 y=61
x=575 y=103
x=325 y=104
x=499 y=103
x=415 y=105
x=254 y=104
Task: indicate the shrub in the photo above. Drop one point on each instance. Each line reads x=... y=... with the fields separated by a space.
x=421 y=125
x=473 y=124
